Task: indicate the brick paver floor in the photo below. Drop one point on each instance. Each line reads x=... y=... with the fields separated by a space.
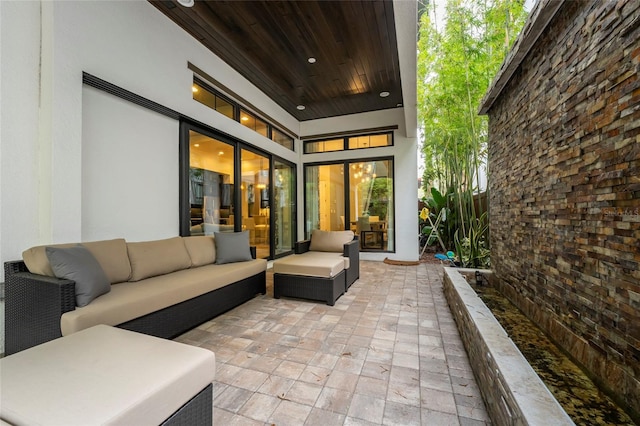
x=387 y=353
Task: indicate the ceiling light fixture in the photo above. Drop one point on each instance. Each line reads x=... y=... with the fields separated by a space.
x=194 y=89
x=301 y=107
x=186 y=3
x=384 y=94
x=312 y=60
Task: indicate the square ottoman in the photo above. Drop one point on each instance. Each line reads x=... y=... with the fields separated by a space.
x=107 y=376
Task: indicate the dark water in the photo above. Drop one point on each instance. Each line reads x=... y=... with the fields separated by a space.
x=578 y=395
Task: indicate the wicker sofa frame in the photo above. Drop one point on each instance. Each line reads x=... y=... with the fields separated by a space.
x=196 y=412
x=313 y=288
x=319 y=288
x=35 y=303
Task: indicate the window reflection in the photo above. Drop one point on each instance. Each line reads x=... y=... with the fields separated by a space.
x=255 y=207
x=369 y=211
x=211 y=188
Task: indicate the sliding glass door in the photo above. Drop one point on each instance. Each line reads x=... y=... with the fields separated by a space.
x=284 y=207
x=367 y=204
x=211 y=177
x=371 y=212
x=255 y=196
x=228 y=186
x=324 y=198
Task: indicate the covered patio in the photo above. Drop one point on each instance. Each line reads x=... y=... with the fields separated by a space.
x=387 y=353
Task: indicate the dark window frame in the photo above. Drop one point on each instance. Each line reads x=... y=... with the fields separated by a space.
x=239 y=109
x=347 y=195
x=238 y=145
x=345 y=142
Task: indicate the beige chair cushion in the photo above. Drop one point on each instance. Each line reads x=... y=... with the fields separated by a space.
x=202 y=250
x=152 y=258
x=102 y=376
x=110 y=254
x=311 y=264
x=330 y=240
x=131 y=300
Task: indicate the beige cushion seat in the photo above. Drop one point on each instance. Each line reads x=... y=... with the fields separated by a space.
x=102 y=376
x=319 y=269
x=312 y=264
x=130 y=300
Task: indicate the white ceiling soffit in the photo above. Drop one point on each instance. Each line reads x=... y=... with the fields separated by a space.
x=406 y=19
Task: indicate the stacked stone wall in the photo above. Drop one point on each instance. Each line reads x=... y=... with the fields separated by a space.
x=564 y=160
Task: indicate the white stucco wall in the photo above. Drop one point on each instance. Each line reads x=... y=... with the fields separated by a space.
x=129 y=170
x=54 y=146
x=19 y=127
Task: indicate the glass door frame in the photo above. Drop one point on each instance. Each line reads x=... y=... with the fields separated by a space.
x=347 y=190
x=184 y=214
x=240 y=209
x=184 y=161
x=294 y=214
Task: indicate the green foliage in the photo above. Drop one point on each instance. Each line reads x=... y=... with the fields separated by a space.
x=381 y=191
x=439 y=200
x=472 y=249
x=455 y=67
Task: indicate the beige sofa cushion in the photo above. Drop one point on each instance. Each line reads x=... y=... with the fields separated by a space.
x=110 y=254
x=102 y=376
x=330 y=240
x=202 y=250
x=311 y=263
x=131 y=300
x=152 y=258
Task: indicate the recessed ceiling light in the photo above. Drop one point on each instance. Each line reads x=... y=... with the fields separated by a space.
x=196 y=145
x=186 y=3
x=384 y=94
x=221 y=153
x=312 y=60
x=194 y=89
x=301 y=107
x=245 y=118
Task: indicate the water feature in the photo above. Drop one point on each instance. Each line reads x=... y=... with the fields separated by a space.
x=574 y=390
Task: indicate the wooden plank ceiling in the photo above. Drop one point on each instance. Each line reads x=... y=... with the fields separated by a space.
x=270 y=42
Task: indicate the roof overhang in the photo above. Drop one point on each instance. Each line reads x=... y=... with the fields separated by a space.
x=538 y=20
x=406 y=17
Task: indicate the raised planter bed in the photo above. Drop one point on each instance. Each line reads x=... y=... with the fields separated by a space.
x=513 y=392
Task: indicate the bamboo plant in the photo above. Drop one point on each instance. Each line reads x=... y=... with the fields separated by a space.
x=455 y=67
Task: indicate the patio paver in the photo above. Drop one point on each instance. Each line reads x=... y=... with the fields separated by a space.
x=387 y=353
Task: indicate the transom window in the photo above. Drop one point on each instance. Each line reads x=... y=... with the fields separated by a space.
x=348 y=143
x=215 y=100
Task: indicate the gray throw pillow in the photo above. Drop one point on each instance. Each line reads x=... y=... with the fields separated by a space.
x=232 y=247
x=78 y=264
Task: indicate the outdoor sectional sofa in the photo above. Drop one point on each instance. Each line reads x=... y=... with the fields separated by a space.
x=322 y=268
x=160 y=288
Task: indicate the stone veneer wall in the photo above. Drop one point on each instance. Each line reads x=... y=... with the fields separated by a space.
x=564 y=160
